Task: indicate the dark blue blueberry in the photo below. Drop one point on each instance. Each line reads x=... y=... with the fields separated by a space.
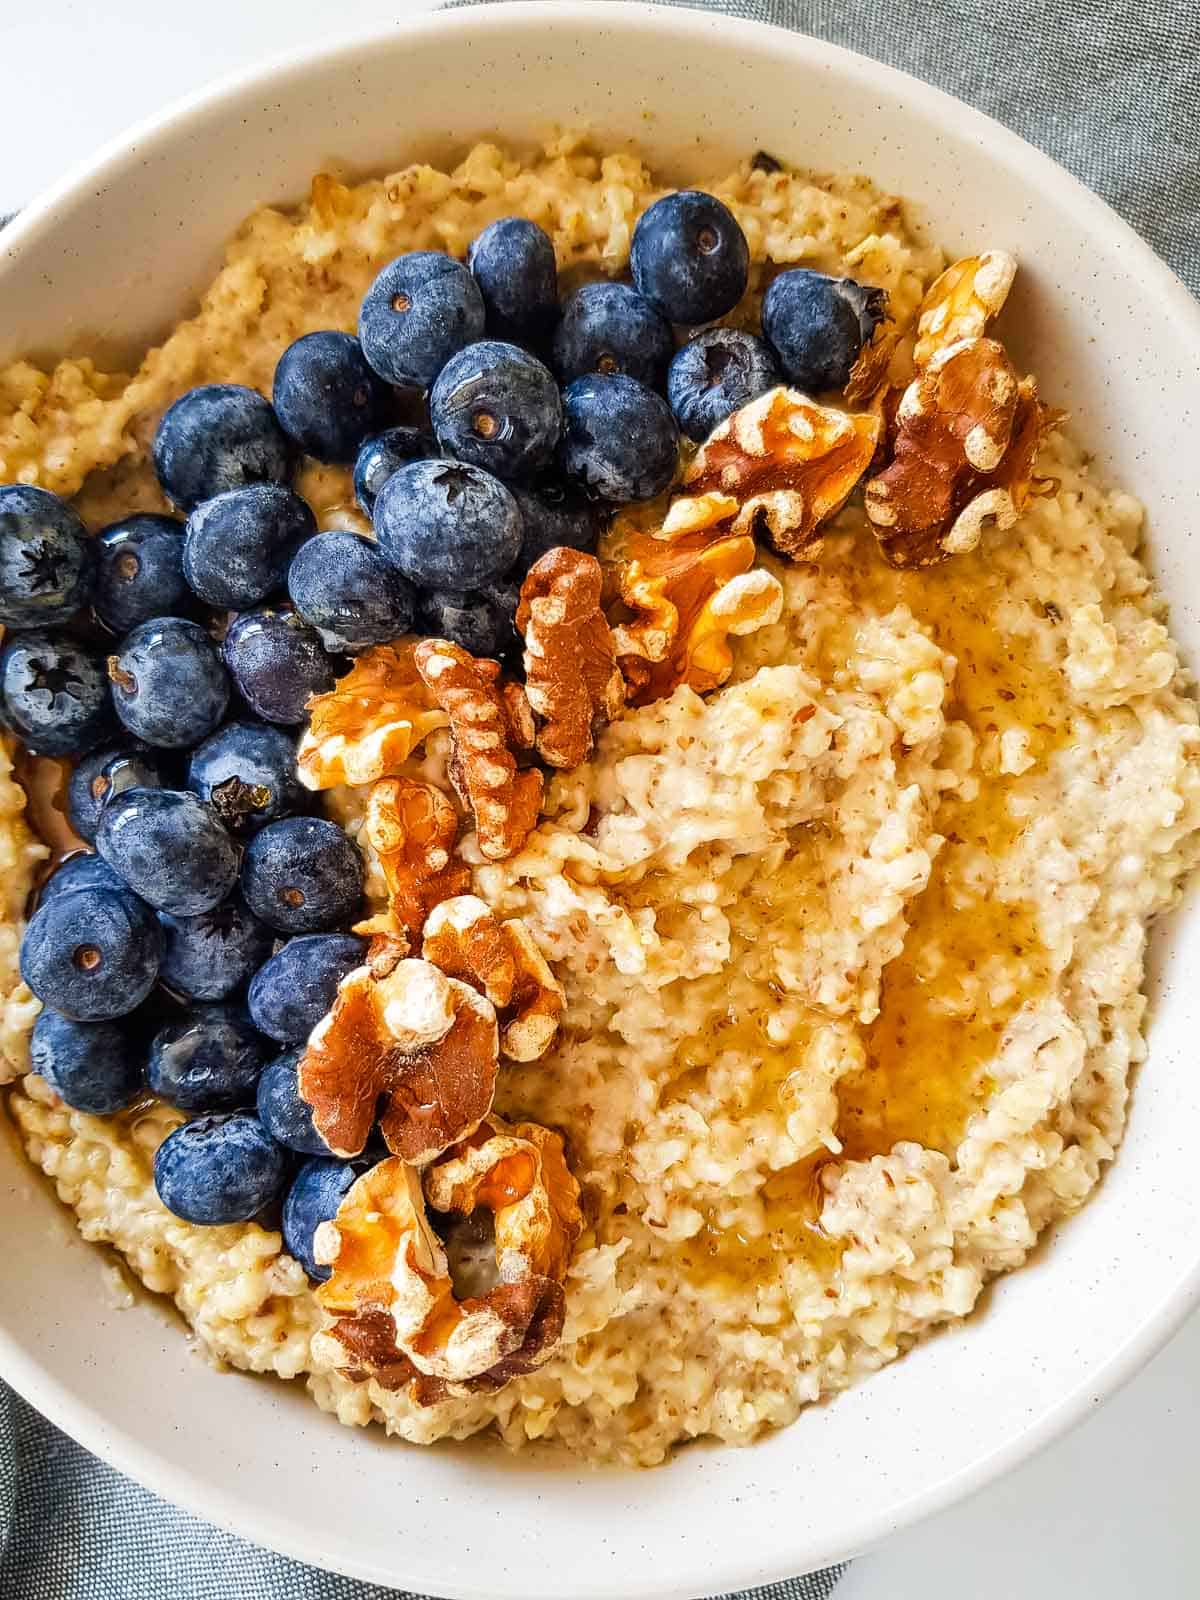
x=168 y=684
x=238 y=545
x=92 y=954
x=282 y=1112
x=55 y=694
x=481 y=620
x=219 y=1169
x=290 y=993
x=210 y=956
x=720 y=371
x=139 y=571
x=93 y=1066
x=107 y=772
x=610 y=327
x=817 y=325
x=327 y=398
x=341 y=584
x=278 y=664
x=209 y=1060
x=554 y=517
x=45 y=558
x=302 y=875
x=247 y=773
x=497 y=407
x=86 y=870
x=384 y=454
x=689 y=257
x=317 y=1191
x=421 y=309
x=620 y=441
x=512 y=261
x=220 y=436
x=170 y=848
x=446 y=525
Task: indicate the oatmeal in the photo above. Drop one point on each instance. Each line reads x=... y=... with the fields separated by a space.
x=824 y=972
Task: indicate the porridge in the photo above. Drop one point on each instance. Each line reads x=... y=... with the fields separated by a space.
x=760 y=980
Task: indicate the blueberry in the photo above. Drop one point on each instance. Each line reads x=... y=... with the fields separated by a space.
x=282 y=1112
x=277 y=662
x=170 y=848
x=481 y=620
x=247 y=772
x=317 y=1191
x=169 y=686
x=238 y=545
x=107 y=772
x=55 y=694
x=620 y=441
x=92 y=954
x=689 y=257
x=497 y=407
x=512 y=261
x=302 y=875
x=610 y=327
x=93 y=1066
x=86 y=870
x=219 y=1169
x=817 y=325
x=290 y=993
x=210 y=956
x=446 y=525
x=210 y=1060
x=139 y=571
x=341 y=584
x=384 y=454
x=220 y=436
x=327 y=399
x=720 y=371
x=45 y=558
x=421 y=309
x=554 y=517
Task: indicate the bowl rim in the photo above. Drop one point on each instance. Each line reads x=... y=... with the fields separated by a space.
x=82 y=1419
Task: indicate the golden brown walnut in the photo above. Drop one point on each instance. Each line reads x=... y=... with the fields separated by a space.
x=571 y=673
x=406 y=1042
x=962 y=301
x=390 y=1294
x=486 y=718
x=412 y=828
x=967 y=435
x=370 y=722
x=688 y=588
x=871 y=373
x=789 y=463
x=467 y=941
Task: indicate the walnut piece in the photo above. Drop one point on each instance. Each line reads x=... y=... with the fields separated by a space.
x=401 y=1032
x=962 y=301
x=412 y=828
x=485 y=720
x=571 y=673
x=467 y=941
x=688 y=587
x=789 y=463
x=390 y=1294
x=370 y=722
x=967 y=436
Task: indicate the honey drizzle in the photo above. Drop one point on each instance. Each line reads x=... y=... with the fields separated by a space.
x=941 y=1020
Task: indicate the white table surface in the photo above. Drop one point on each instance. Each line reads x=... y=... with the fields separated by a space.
x=1109 y=1511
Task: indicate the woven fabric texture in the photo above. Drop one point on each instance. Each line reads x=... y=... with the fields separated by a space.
x=1107 y=87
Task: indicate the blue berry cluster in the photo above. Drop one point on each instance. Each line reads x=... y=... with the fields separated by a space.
x=171 y=657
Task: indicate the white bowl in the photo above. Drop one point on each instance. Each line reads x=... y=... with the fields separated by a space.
x=113 y=256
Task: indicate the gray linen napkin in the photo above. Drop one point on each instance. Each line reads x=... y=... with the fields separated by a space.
x=1107 y=87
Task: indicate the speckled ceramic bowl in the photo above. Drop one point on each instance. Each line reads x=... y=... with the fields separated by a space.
x=111 y=258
